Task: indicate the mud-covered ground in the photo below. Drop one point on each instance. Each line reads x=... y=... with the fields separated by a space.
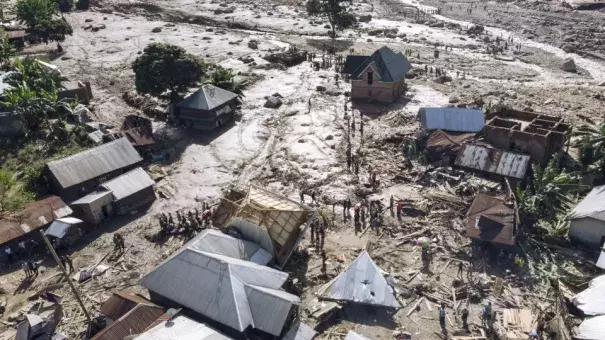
x=292 y=147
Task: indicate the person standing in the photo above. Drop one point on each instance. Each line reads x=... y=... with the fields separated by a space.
x=460 y=267
x=391 y=204
x=313 y=233
x=66 y=262
x=442 y=314
x=33 y=267
x=302 y=196
x=465 y=318
x=25 y=267
x=9 y=254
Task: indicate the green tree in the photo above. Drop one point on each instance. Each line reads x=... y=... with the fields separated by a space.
x=7 y=51
x=163 y=67
x=335 y=11
x=7 y=182
x=224 y=79
x=549 y=193
x=42 y=20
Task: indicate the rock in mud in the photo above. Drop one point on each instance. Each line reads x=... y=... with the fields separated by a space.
x=88 y=20
x=453 y=99
x=475 y=29
x=568 y=48
x=157 y=30
x=98 y=27
x=329 y=137
x=273 y=102
x=287 y=59
x=333 y=93
x=365 y=18
x=320 y=88
x=253 y=44
x=569 y=65
x=437 y=24
x=375 y=32
x=442 y=79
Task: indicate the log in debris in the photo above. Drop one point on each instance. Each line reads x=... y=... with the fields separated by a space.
x=415 y=306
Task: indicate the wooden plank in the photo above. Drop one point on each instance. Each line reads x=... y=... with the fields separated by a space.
x=413 y=276
x=454 y=300
x=415 y=306
x=449 y=320
x=428 y=305
x=444 y=267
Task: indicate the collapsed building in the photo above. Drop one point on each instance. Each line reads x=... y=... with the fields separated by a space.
x=538 y=135
x=494 y=163
x=493 y=219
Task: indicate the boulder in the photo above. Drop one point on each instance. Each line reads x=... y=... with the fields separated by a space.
x=602 y=83
x=442 y=79
x=273 y=102
x=320 y=88
x=437 y=24
x=333 y=93
x=253 y=44
x=88 y=20
x=157 y=30
x=365 y=18
x=568 y=48
x=375 y=32
x=329 y=137
x=98 y=27
x=453 y=99
x=569 y=65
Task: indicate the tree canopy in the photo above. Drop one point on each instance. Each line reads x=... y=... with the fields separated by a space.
x=224 y=79
x=42 y=19
x=163 y=67
x=335 y=10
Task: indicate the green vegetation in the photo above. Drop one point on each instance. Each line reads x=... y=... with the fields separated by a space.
x=7 y=51
x=43 y=20
x=592 y=148
x=336 y=11
x=224 y=79
x=549 y=196
x=82 y=4
x=163 y=67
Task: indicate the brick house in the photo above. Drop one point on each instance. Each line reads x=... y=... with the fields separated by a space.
x=379 y=77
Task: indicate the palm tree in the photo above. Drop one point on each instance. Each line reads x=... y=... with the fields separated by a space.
x=6 y=52
x=224 y=79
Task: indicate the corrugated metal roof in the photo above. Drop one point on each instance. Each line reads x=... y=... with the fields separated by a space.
x=355 y=336
x=353 y=62
x=441 y=144
x=128 y=183
x=362 y=282
x=494 y=210
x=208 y=97
x=60 y=226
x=496 y=161
x=94 y=162
x=34 y=216
x=182 y=328
x=591 y=328
x=451 y=119
x=300 y=331
x=234 y=292
x=92 y=197
x=133 y=322
x=216 y=242
x=391 y=66
x=591 y=301
x=121 y=303
x=593 y=205
x=138 y=136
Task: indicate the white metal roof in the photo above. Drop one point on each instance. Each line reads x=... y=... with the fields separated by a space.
x=591 y=328
x=362 y=282
x=300 y=331
x=355 y=336
x=592 y=300
x=496 y=161
x=234 y=292
x=217 y=242
x=593 y=205
x=451 y=119
x=129 y=183
x=182 y=328
x=92 y=197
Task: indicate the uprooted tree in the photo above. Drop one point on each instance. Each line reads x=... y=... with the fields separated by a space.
x=163 y=67
x=43 y=20
x=336 y=11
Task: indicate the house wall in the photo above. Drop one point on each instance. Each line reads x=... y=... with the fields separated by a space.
x=74 y=192
x=587 y=231
x=537 y=146
x=93 y=212
x=379 y=91
x=83 y=93
x=207 y=120
x=135 y=201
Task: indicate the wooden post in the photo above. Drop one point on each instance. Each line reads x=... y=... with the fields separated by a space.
x=73 y=288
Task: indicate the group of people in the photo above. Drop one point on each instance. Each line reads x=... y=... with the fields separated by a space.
x=190 y=221
x=318 y=233
x=23 y=250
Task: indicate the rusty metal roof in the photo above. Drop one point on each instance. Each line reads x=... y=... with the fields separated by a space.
x=133 y=322
x=34 y=216
x=138 y=136
x=491 y=219
x=441 y=144
x=505 y=163
x=94 y=162
x=121 y=303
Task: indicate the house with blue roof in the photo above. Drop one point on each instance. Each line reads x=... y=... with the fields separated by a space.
x=379 y=77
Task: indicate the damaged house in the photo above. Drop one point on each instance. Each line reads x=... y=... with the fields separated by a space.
x=242 y=295
x=493 y=162
x=34 y=216
x=362 y=282
x=588 y=219
x=451 y=119
x=80 y=174
x=379 y=77
x=538 y=135
x=208 y=108
x=444 y=147
x=493 y=219
x=275 y=222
